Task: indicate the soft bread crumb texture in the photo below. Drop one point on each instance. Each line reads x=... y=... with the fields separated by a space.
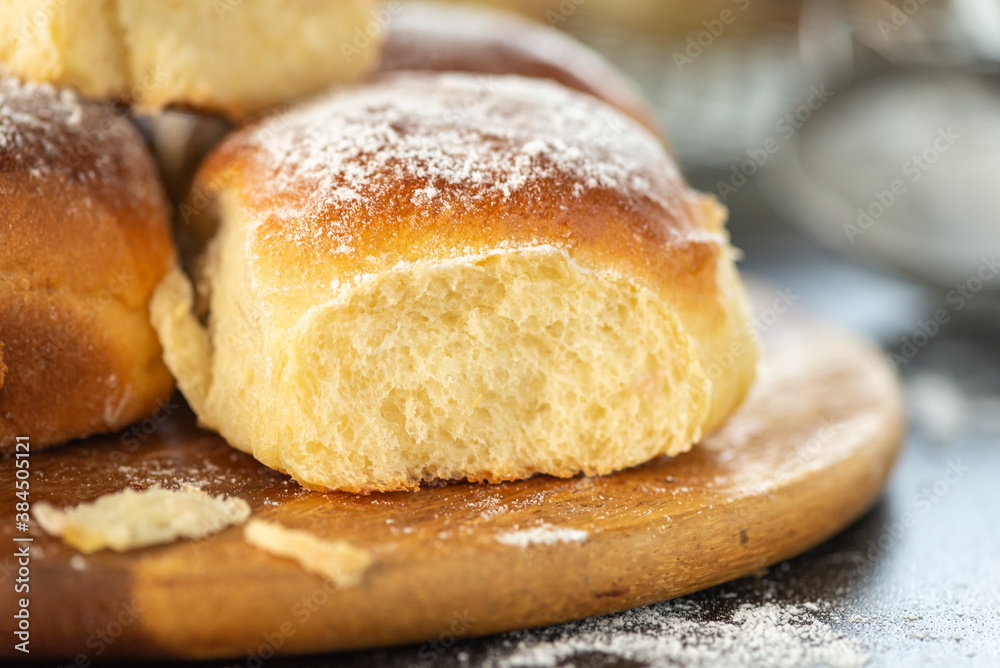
x=227 y=56
x=392 y=292
x=336 y=560
x=486 y=368
x=131 y=519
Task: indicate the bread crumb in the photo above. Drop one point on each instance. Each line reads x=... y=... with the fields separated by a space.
x=131 y=519
x=336 y=560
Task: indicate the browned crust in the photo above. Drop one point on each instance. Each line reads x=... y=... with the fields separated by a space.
x=84 y=240
x=670 y=239
x=601 y=230
x=433 y=36
x=71 y=376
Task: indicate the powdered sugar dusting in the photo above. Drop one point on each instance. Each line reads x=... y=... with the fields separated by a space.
x=32 y=113
x=447 y=140
x=542 y=535
x=46 y=130
x=765 y=634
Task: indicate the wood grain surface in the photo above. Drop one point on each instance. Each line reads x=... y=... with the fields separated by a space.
x=807 y=454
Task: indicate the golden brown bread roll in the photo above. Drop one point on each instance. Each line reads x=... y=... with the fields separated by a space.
x=84 y=238
x=405 y=286
x=230 y=56
x=444 y=37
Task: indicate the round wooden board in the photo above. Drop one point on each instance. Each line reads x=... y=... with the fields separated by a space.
x=808 y=453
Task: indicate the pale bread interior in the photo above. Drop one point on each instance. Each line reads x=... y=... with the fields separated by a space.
x=488 y=367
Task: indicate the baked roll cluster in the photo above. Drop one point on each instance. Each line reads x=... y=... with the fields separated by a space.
x=436 y=275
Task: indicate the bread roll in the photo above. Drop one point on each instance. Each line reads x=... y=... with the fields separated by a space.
x=428 y=278
x=84 y=239
x=229 y=56
x=443 y=37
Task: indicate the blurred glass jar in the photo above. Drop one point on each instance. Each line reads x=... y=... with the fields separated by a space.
x=901 y=164
x=720 y=72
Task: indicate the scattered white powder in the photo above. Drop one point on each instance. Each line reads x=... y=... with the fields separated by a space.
x=766 y=634
x=451 y=140
x=32 y=116
x=542 y=535
x=27 y=107
x=50 y=133
x=168 y=472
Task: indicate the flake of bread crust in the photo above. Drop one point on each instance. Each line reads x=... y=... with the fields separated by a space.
x=131 y=519
x=336 y=560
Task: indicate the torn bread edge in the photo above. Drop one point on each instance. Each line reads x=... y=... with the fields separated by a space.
x=336 y=560
x=131 y=519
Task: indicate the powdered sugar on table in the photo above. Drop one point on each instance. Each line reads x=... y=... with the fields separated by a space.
x=673 y=634
x=541 y=535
